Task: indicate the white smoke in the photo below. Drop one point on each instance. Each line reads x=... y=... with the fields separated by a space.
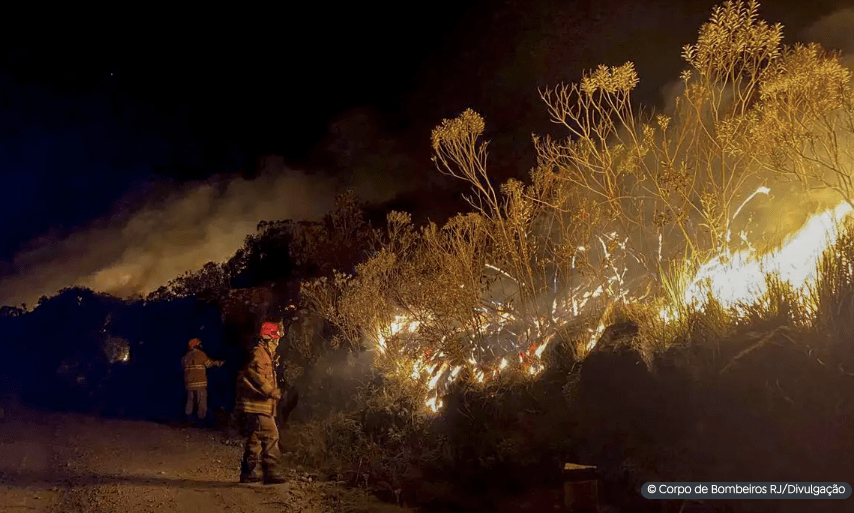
x=167 y=229
x=178 y=230
x=834 y=32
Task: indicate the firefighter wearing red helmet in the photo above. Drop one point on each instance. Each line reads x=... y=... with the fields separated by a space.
x=196 y=363
x=257 y=395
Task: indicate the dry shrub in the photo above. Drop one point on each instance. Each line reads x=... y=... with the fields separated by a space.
x=384 y=439
x=833 y=294
x=659 y=195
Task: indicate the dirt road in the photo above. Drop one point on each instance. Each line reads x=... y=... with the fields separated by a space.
x=74 y=463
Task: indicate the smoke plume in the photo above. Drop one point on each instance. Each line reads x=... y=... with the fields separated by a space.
x=155 y=234
x=834 y=32
x=178 y=230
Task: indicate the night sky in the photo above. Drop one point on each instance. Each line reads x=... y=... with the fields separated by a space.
x=103 y=121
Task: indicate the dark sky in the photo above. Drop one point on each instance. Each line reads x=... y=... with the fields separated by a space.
x=100 y=110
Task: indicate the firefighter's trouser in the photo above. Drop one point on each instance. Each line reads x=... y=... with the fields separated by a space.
x=262 y=444
x=197 y=398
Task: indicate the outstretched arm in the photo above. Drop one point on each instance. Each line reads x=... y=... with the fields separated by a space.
x=212 y=363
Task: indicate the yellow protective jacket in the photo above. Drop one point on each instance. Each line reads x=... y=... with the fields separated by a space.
x=196 y=363
x=256 y=383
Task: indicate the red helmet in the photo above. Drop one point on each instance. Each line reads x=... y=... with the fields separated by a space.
x=193 y=343
x=271 y=330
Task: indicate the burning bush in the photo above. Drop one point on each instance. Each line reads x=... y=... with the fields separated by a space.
x=609 y=214
x=670 y=293
x=669 y=222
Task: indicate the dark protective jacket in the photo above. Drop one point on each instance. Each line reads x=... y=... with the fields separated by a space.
x=256 y=383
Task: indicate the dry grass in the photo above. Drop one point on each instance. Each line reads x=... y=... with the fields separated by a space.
x=671 y=189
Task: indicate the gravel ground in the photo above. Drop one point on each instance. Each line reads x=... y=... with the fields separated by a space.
x=73 y=463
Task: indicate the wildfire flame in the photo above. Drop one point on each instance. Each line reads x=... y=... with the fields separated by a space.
x=739 y=278
x=732 y=278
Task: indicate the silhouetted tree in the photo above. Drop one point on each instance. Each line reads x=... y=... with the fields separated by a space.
x=209 y=283
x=11 y=311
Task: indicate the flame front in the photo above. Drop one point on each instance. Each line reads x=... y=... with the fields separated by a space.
x=739 y=278
x=732 y=278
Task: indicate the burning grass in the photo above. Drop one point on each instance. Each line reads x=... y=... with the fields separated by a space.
x=657 y=231
x=606 y=213
x=758 y=391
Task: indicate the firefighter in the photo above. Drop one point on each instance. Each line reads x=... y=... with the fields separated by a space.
x=258 y=395
x=196 y=363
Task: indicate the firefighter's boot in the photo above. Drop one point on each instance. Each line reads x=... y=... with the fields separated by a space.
x=273 y=477
x=272 y=474
x=249 y=473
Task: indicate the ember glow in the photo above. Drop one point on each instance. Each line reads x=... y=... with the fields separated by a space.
x=733 y=278
x=502 y=334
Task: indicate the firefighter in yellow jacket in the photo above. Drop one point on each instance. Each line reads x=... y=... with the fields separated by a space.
x=257 y=396
x=196 y=363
